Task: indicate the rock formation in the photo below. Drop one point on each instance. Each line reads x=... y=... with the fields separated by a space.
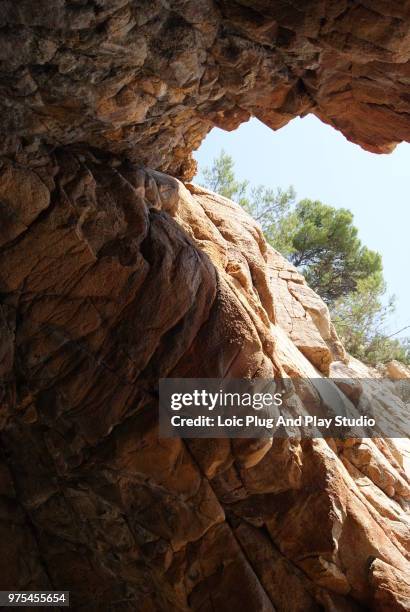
x=150 y=78
x=114 y=274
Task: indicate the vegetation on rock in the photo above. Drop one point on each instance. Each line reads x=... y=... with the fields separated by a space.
x=323 y=243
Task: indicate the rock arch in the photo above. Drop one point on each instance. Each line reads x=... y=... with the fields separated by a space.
x=113 y=274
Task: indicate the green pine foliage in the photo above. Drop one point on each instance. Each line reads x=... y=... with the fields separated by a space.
x=323 y=243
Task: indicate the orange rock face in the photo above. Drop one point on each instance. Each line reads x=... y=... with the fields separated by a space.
x=150 y=79
x=113 y=275
x=125 y=276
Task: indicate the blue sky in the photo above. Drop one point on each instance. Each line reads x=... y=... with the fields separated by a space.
x=321 y=164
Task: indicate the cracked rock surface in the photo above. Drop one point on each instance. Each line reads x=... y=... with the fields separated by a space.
x=113 y=274
x=122 y=276
x=151 y=78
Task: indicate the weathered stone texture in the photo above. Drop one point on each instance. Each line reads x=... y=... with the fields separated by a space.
x=151 y=78
x=113 y=274
x=131 y=277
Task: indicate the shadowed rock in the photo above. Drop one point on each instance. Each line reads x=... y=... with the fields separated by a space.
x=113 y=275
x=150 y=79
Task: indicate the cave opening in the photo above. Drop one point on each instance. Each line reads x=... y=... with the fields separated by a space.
x=321 y=164
x=117 y=272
